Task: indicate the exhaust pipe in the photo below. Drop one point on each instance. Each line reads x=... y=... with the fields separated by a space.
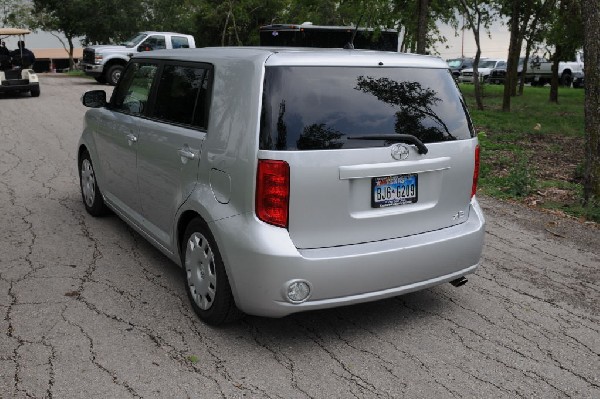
x=459 y=281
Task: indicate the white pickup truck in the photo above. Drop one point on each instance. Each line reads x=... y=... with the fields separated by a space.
x=106 y=62
x=539 y=71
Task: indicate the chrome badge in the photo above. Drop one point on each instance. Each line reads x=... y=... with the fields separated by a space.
x=400 y=152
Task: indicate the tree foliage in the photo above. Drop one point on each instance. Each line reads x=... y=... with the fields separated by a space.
x=15 y=13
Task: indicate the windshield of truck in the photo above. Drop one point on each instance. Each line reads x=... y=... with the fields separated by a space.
x=135 y=39
x=312 y=108
x=454 y=63
x=487 y=64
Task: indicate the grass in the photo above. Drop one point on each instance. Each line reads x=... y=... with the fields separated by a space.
x=533 y=154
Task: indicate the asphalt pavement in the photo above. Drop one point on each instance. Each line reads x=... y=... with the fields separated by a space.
x=89 y=309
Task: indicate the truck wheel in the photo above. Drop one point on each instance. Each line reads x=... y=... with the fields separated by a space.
x=113 y=74
x=35 y=92
x=566 y=79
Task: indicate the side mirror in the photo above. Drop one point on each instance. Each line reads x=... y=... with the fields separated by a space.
x=94 y=98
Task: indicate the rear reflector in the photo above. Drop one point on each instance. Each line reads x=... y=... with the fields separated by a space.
x=273 y=192
x=475 y=172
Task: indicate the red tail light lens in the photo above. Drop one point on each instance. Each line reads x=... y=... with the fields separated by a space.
x=475 y=172
x=273 y=192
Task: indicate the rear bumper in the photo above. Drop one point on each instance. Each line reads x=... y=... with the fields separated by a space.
x=8 y=88
x=261 y=261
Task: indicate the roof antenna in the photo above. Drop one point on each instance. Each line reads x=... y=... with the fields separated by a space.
x=350 y=44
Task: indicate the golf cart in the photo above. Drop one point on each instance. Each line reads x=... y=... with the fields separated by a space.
x=16 y=74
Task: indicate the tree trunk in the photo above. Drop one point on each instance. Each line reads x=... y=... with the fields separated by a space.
x=423 y=23
x=71 y=62
x=525 y=66
x=513 y=56
x=591 y=23
x=476 y=80
x=523 y=25
x=554 y=81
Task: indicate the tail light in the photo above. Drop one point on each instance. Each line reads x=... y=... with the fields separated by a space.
x=273 y=192
x=475 y=172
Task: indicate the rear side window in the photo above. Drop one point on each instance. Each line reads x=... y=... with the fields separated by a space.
x=179 y=42
x=182 y=96
x=312 y=108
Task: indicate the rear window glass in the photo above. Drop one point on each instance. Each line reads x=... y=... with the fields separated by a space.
x=312 y=108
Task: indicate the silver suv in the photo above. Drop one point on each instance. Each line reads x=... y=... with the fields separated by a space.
x=288 y=180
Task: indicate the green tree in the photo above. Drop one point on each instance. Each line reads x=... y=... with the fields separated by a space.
x=14 y=13
x=565 y=36
x=478 y=14
x=233 y=22
x=65 y=16
x=417 y=22
x=525 y=18
x=113 y=21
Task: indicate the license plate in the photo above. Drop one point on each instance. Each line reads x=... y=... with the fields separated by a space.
x=394 y=190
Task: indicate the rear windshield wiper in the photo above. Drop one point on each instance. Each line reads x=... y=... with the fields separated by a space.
x=399 y=138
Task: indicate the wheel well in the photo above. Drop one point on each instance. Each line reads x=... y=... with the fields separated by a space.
x=115 y=61
x=567 y=71
x=82 y=149
x=184 y=220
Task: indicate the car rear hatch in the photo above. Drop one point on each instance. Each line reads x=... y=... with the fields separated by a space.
x=356 y=174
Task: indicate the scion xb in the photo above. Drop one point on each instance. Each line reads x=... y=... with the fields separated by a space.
x=287 y=180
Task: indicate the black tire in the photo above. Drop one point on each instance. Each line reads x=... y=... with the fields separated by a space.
x=100 y=79
x=35 y=92
x=90 y=192
x=113 y=74
x=566 y=79
x=205 y=278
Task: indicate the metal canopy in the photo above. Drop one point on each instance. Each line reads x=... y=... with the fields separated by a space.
x=14 y=31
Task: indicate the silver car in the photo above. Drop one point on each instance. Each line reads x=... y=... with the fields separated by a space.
x=286 y=180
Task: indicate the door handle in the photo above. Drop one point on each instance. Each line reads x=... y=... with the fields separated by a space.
x=131 y=138
x=186 y=153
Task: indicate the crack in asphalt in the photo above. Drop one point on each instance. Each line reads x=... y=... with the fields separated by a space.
x=285 y=361
x=350 y=376
x=414 y=358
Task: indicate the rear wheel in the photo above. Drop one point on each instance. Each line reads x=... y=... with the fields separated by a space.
x=205 y=278
x=90 y=193
x=113 y=74
x=566 y=79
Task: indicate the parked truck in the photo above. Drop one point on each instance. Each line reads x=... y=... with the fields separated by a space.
x=539 y=71
x=106 y=62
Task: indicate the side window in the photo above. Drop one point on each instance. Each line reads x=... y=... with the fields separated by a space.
x=182 y=96
x=131 y=94
x=179 y=42
x=501 y=64
x=154 y=42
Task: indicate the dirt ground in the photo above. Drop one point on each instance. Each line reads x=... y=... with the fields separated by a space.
x=557 y=160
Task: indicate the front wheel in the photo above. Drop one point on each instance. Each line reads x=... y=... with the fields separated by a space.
x=113 y=74
x=100 y=79
x=90 y=193
x=205 y=278
x=35 y=91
